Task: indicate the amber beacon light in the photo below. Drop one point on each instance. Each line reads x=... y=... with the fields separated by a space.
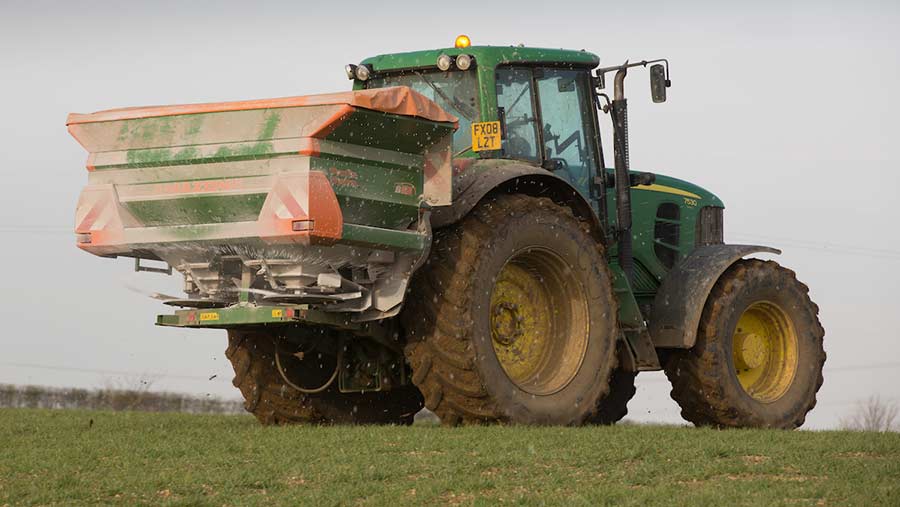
x=463 y=41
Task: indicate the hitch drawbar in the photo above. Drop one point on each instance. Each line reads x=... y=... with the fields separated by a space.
x=250 y=314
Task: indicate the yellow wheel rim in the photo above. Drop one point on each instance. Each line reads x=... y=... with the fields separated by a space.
x=764 y=351
x=539 y=322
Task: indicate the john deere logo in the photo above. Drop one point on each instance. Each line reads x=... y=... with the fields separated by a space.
x=404 y=188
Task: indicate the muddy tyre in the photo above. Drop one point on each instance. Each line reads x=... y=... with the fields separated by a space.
x=759 y=353
x=614 y=407
x=272 y=401
x=513 y=319
x=266 y=396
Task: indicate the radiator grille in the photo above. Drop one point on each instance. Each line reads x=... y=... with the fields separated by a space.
x=667 y=234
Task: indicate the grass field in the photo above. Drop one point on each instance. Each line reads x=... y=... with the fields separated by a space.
x=60 y=458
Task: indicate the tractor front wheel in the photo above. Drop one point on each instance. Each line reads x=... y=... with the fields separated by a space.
x=758 y=357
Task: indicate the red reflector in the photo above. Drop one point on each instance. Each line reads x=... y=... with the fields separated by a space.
x=302 y=225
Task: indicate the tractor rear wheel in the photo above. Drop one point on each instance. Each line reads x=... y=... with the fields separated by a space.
x=266 y=396
x=513 y=317
x=758 y=357
x=273 y=401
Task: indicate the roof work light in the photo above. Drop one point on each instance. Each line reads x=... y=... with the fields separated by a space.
x=463 y=41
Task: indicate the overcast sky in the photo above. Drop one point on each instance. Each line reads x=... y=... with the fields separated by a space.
x=788 y=111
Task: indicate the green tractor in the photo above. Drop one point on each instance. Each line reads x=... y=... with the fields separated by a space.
x=448 y=234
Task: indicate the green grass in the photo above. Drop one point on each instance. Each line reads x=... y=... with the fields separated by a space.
x=55 y=457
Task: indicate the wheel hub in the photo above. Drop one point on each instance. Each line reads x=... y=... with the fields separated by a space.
x=750 y=351
x=765 y=351
x=539 y=323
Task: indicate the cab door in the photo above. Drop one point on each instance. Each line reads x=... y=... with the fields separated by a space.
x=549 y=119
x=566 y=111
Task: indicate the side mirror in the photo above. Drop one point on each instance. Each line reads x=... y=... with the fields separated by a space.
x=658 y=83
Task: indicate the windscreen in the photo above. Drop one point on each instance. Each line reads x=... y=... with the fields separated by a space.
x=455 y=91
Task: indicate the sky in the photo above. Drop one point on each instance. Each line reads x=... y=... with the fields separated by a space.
x=788 y=111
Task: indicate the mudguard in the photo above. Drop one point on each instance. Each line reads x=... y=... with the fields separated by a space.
x=681 y=297
x=473 y=181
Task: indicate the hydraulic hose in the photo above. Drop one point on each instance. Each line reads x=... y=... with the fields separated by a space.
x=326 y=385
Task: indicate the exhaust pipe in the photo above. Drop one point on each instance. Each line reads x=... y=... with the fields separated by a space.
x=619 y=110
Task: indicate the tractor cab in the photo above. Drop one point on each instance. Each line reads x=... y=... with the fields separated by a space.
x=528 y=104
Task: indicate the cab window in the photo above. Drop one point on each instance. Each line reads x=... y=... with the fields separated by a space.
x=566 y=108
x=456 y=92
x=515 y=102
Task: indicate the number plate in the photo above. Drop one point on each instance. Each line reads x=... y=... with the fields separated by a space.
x=207 y=316
x=486 y=136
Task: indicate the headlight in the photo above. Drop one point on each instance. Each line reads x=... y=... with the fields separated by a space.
x=444 y=62
x=350 y=69
x=463 y=62
x=363 y=72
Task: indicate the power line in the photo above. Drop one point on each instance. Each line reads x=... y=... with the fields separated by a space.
x=863 y=367
x=115 y=372
x=860 y=401
x=878 y=253
x=827 y=369
x=55 y=230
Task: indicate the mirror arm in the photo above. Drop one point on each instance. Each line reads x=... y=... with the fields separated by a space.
x=601 y=78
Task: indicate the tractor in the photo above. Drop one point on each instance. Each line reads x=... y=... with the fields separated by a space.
x=449 y=234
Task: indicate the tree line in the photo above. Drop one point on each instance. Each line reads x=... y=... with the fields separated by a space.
x=112 y=398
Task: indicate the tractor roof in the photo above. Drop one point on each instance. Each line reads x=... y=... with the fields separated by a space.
x=484 y=55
